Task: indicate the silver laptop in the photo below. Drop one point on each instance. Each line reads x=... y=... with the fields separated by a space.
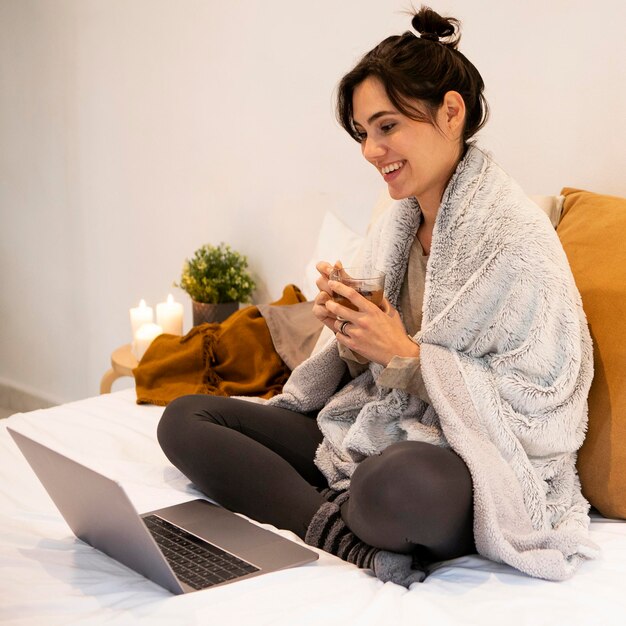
x=184 y=548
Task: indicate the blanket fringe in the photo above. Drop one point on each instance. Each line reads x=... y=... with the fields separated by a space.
x=210 y=380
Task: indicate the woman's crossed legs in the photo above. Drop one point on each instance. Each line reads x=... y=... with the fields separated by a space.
x=258 y=460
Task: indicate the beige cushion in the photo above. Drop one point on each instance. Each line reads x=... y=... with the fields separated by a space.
x=335 y=241
x=593 y=233
x=551 y=205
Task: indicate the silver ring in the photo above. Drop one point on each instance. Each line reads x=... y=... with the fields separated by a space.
x=342 y=328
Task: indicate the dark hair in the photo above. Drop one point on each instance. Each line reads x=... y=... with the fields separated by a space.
x=421 y=68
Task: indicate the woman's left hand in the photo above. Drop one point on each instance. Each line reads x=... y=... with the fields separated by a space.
x=376 y=334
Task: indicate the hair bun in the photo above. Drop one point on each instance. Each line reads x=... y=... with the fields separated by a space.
x=433 y=27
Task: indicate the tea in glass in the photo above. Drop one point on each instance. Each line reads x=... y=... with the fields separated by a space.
x=369 y=282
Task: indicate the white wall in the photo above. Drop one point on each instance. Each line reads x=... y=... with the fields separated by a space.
x=132 y=131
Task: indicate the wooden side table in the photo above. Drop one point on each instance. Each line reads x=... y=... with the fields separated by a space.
x=123 y=362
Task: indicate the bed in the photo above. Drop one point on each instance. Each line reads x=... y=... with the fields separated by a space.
x=50 y=577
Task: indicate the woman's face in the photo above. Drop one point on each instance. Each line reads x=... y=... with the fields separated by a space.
x=414 y=158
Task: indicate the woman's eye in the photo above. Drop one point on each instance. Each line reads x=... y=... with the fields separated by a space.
x=360 y=136
x=387 y=127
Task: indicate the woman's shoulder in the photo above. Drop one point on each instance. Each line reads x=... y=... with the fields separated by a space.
x=498 y=196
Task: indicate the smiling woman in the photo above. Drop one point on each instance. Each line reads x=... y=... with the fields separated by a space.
x=447 y=419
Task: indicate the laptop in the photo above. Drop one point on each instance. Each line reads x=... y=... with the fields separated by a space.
x=183 y=548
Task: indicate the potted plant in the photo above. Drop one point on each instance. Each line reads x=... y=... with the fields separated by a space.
x=217 y=280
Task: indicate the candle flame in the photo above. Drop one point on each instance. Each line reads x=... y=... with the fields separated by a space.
x=142 y=304
x=170 y=298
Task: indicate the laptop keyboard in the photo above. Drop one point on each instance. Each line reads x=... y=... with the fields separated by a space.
x=195 y=562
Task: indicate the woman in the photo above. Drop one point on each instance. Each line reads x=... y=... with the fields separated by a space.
x=448 y=420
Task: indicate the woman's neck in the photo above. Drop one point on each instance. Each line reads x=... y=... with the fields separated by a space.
x=429 y=207
x=425 y=232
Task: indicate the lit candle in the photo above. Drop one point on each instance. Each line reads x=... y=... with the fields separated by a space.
x=169 y=316
x=139 y=316
x=143 y=338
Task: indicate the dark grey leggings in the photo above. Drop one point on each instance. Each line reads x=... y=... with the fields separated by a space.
x=258 y=460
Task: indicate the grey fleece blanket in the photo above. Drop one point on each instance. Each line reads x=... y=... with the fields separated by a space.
x=507 y=361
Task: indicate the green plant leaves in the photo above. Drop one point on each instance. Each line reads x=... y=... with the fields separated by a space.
x=217 y=274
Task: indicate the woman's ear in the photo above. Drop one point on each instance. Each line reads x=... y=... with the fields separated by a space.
x=453 y=113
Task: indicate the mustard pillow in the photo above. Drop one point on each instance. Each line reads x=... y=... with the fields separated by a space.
x=593 y=233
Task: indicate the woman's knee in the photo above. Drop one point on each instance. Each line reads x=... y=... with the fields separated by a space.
x=412 y=471
x=412 y=494
x=173 y=425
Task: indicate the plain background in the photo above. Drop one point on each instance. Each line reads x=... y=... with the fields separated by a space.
x=133 y=131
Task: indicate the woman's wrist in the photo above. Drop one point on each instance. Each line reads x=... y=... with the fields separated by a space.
x=407 y=349
x=412 y=347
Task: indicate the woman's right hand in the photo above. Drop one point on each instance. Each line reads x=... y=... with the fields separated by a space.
x=319 y=308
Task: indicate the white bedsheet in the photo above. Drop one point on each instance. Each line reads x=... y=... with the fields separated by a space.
x=49 y=577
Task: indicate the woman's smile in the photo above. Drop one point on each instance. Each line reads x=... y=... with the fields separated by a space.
x=392 y=171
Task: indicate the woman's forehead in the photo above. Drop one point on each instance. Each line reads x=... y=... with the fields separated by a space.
x=370 y=98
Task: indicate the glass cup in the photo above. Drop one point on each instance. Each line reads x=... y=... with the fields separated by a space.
x=369 y=282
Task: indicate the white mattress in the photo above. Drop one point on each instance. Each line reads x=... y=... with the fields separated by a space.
x=49 y=577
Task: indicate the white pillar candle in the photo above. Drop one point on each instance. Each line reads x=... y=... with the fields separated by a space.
x=143 y=338
x=169 y=316
x=139 y=316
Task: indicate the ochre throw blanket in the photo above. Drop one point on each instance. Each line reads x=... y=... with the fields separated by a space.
x=234 y=358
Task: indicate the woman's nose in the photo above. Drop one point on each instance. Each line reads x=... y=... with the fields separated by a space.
x=372 y=149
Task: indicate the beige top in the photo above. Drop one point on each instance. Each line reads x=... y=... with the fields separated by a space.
x=402 y=372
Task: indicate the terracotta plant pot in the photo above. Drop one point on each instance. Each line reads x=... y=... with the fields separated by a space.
x=207 y=313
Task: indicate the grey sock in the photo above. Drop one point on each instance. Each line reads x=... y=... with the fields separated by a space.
x=331 y=495
x=396 y=568
x=329 y=532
